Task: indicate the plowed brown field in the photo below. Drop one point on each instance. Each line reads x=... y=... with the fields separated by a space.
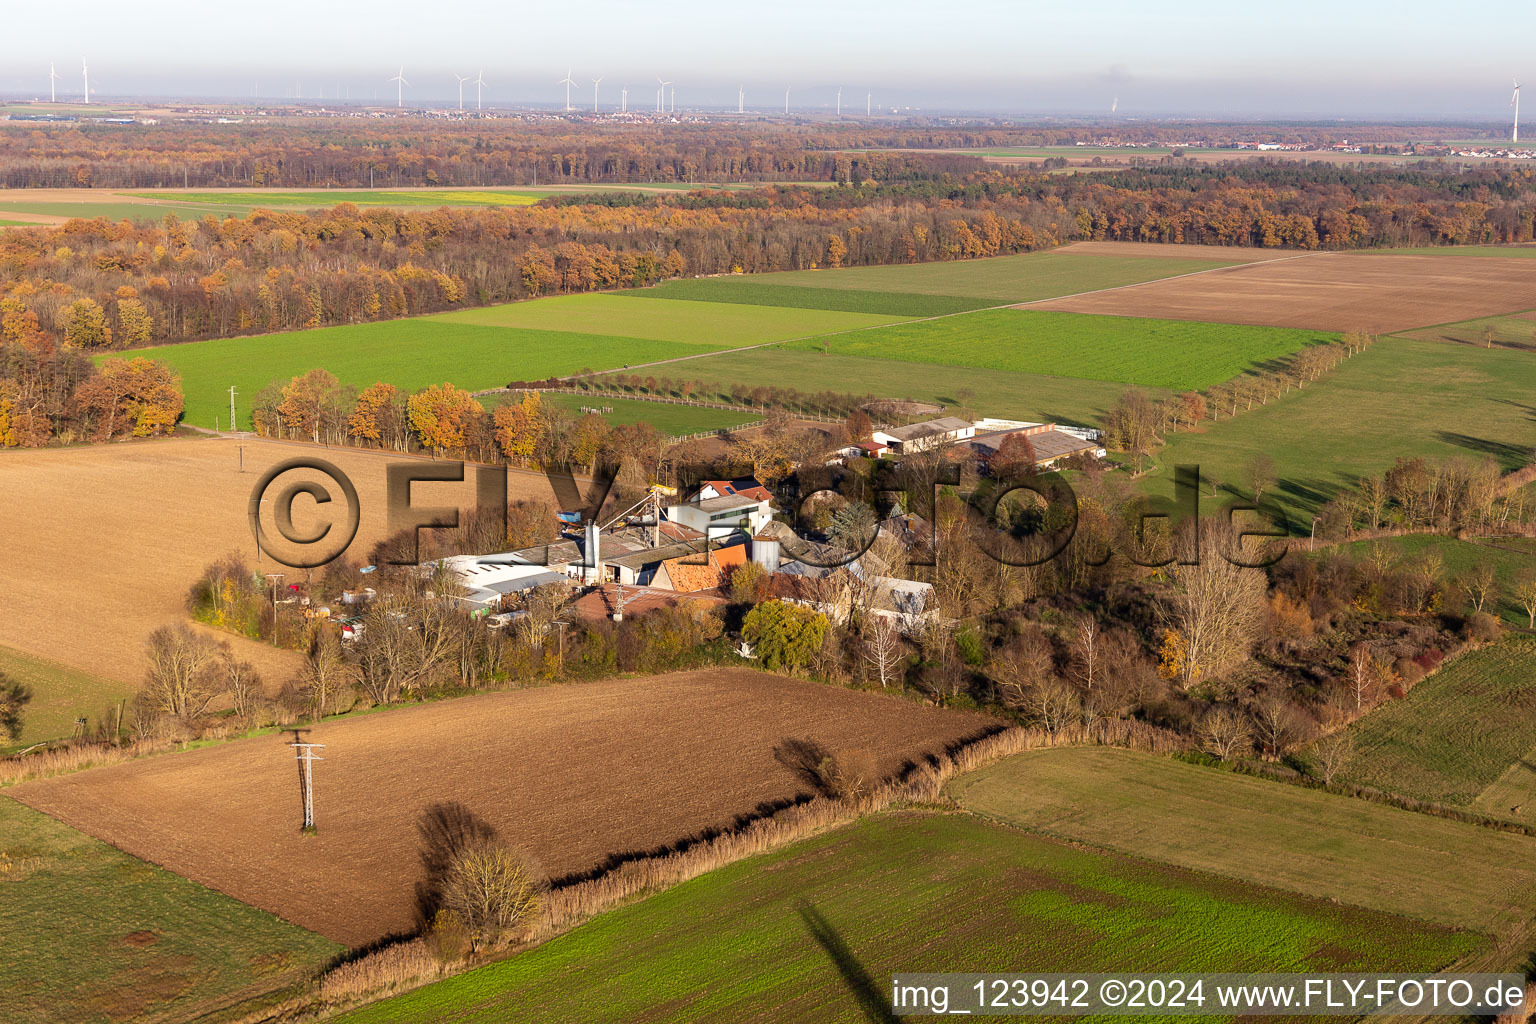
x=98 y=545
x=1327 y=291
x=575 y=774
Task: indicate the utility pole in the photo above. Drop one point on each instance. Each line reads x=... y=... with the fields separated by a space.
x=304 y=753
x=275 y=578
x=231 y=407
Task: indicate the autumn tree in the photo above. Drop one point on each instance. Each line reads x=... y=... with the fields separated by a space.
x=520 y=427
x=84 y=324
x=131 y=396
x=181 y=680
x=440 y=416
x=310 y=403
x=14 y=697
x=373 y=419
x=783 y=635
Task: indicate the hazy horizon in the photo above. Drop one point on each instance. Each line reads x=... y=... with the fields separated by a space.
x=1319 y=60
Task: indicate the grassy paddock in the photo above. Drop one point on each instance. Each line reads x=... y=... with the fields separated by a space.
x=1398 y=398
x=59 y=696
x=812 y=932
x=1515 y=331
x=1310 y=842
x=1172 y=354
x=89 y=934
x=1456 y=733
x=671 y=419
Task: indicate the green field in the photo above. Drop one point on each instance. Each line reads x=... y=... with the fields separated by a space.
x=13 y=223
x=1174 y=354
x=1508 y=555
x=814 y=932
x=59 y=696
x=1398 y=398
x=1514 y=331
x=715 y=324
x=996 y=393
x=675 y=420
x=1003 y=279
x=759 y=290
x=410 y=354
x=1461 y=250
x=89 y=934
x=1268 y=833
x=330 y=197
x=1456 y=733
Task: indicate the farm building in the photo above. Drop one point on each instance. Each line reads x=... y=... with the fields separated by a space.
x=700 y=571
x=839 y=592
x=724 y=488
x=488 y=578
x=727 y=512
x=612 y=599
x=1050 y=442
x=919 y=437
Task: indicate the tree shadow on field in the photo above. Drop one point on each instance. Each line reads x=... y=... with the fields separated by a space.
x=871 y=996
x=446 y=830
x=1506 y=454
x=804 y=758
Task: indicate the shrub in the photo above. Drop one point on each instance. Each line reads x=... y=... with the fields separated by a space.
x=1481 y=627
x=495 y=889
x=448 y=936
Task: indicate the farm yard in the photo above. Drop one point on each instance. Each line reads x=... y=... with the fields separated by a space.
x=838 y=914
x=1266 y=833
x=652 y=770
x=139 y=523
x=1150 y=353
x=1464 y=736
x=89 y=934
x=1329 y=291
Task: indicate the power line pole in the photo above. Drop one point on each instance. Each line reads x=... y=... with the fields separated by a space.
x=274 y=578
x=304 y=753
x=231 y=407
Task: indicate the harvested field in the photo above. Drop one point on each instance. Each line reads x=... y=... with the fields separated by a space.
x=1328 y=291
x=1216 y=253
x=575 y=774
x=101 y=543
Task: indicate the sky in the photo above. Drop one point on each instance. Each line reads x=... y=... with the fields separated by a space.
x=1303 y=58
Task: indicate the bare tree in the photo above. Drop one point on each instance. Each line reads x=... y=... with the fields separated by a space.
x=542 y=606
x=1261 y=475
x=242 y=683
x=181 y=680
x=1479 y=583
x=882 y=648
x=325 y=673
x=1052 y=704
x=1525 y=593
x=1275 y=720
x=1024 y=664
x=384 y=650
x=1085 y=644
x=1224 y=732
x=1217 y=609
x=1363 y=676
x=1332 y=754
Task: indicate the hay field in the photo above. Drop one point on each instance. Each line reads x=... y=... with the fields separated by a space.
x=1328 y=291
x=575 y=774
x=102 y=542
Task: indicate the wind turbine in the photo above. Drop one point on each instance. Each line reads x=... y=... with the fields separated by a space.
x=674 y=98
x=839 y=101
x=624 y=100
x=400 y=84
x=868 y=97
x=479 y=84
x=567 y=81
x=53 y=77
x=741 y=99
x=595 y=82
x=1514 y=101
x=461 y=91
x=661 y=95
x=85 y=74
x=786 y=99
x=1115 y=105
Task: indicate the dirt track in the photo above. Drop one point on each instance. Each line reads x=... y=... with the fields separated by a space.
x=98 y=545
x=1328 y=291
x=572 y=773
